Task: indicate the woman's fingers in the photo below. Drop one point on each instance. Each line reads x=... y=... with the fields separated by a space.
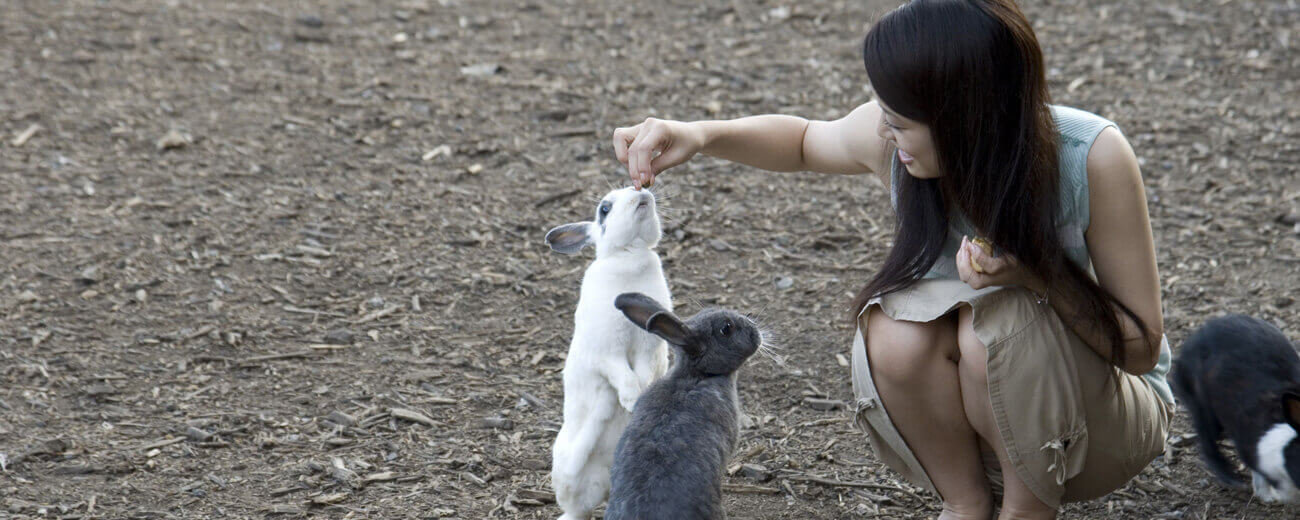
x=978 y=256
x=668 y=158
x=993 y=265
x=649 y=141
x=964 y=270
x=625 y=149
x=623 y=138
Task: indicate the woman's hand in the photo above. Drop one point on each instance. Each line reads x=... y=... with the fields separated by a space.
x=998 y=271
x=655 y=145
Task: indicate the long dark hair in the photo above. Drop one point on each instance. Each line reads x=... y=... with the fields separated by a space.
x=972 y=71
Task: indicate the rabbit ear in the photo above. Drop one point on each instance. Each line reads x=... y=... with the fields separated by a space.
x=570 y=238
x=1291 y=409
x=649 y=315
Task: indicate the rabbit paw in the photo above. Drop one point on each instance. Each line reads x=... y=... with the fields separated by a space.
x=628 y=402
x=1266 y=492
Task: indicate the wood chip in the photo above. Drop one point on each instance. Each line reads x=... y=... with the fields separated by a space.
x=327 y=346
x=340 y=472
x=77 y=469
x=273 y=357
x=749 y=489
x=286 y=490
x=300 y=310
x=315 y=251
x=173 y=139
x=197 y=435
x=473 y=478
x=412 y=415
x=341 y=418
x=436 y=152
x=285 y=509
x=755 y=472
x=544 y=497
x=332 y=498
x=383 y=476
x=500 y=423
x=378 y=314
x=531 y=399
x=824 y=405
x=25 y=135
x=203 y=331
x=160 y=443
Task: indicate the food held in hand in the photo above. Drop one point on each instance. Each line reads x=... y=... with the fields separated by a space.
x=988 y=250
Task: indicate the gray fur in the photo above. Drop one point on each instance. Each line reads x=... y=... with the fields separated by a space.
x=670 y=460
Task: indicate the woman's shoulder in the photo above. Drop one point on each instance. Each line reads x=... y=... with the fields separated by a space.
x=1111 y=155
x=1078 y=127
x=1093 y=153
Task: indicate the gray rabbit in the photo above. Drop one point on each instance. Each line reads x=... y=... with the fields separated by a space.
x=670 y=460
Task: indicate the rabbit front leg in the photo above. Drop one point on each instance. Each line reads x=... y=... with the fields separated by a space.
x=624 y=381
x=650 y=364
x=1263 y=489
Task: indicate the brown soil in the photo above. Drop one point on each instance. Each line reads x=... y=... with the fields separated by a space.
x=215 y=240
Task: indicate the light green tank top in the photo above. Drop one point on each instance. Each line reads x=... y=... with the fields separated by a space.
x=1077 y=130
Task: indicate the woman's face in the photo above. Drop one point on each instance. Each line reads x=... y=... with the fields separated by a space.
x=912 y=138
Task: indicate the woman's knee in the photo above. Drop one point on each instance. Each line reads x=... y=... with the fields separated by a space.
x=973 y=365
x=972 y=370
x=906 y=353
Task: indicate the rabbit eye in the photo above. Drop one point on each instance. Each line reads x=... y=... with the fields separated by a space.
x=726 y=329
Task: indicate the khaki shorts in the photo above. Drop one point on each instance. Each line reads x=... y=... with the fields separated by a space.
x=1071 y=433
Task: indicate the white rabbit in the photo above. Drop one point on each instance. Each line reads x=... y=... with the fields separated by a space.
x=611 y=360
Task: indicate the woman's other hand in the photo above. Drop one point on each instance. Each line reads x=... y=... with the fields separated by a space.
x=1001 y=270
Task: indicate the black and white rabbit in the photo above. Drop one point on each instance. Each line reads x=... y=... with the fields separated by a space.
x=610 y=361
x=670 y=461
x=1239 y=376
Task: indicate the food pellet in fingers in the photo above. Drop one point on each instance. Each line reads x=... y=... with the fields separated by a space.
x=988 y=250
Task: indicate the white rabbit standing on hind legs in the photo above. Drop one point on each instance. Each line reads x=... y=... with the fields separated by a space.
x=610 y=361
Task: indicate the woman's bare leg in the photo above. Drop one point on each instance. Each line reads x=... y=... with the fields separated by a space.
x=1018 y=502
x=914 y=366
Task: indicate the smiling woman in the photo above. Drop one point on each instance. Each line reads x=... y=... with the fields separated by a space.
x=912 y=139
x=1039 y=376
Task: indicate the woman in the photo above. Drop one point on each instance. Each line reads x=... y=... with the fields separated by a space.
x=1035 y=372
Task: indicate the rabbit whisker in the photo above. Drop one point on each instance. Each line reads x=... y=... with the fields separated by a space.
x=769 y=345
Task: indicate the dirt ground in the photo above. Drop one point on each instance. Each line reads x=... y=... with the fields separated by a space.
x=280 y=259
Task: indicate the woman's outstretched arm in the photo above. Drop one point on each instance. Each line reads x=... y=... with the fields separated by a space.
x=849 y=145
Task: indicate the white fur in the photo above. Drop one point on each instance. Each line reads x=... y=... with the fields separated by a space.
x=610 y=361
x=1272 y=464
